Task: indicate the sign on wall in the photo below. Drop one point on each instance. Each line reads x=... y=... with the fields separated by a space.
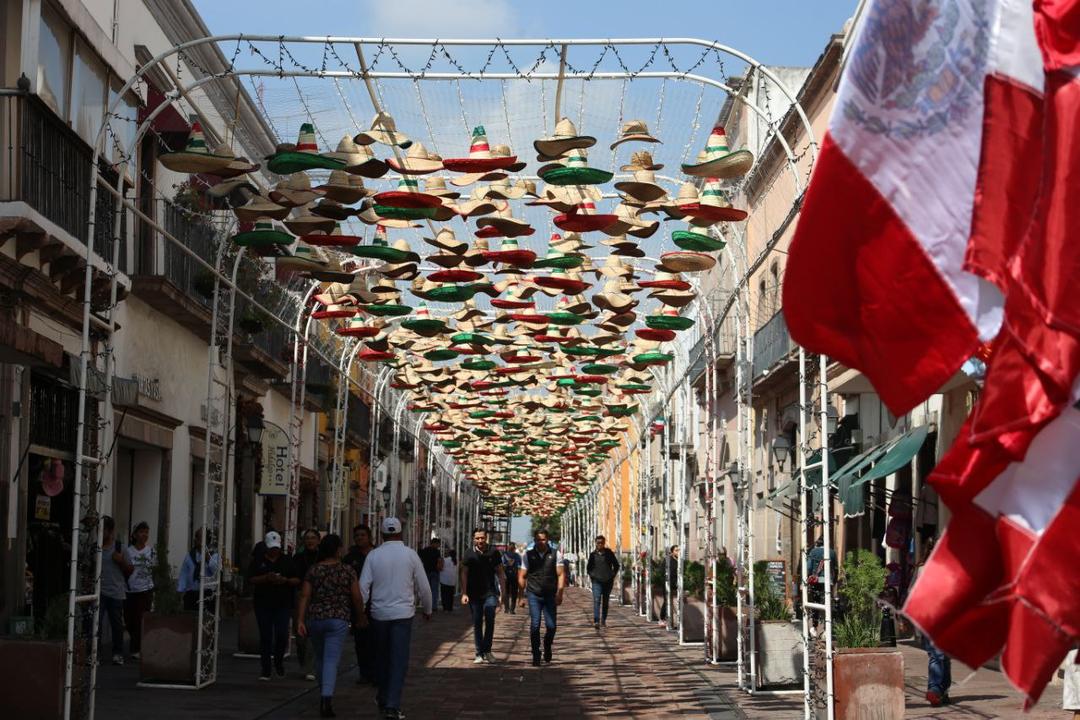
x=274 y=479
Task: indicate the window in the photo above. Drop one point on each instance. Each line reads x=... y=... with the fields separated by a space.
x=54 y=60
x=123 y=127
x=88 y=92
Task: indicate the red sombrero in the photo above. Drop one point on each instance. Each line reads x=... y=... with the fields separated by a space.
x=480 y=158
x=407 y=195
x=332 y=312
x=332 y=239
x=666 y=281
x=512 y=304
x=584 y=219
x=655 y=335
x=454 y=276
x=558 y=280
x=510 y=254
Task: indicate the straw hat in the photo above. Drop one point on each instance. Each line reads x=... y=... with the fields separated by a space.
x=668 y=319
x=417 y=161
x=304 y=155
x=260 y=207
x=474 y=208
x=503 y=224
x=332 y=210
x=294 y=192
x=674 y=298
x=334 y=294
x=380 y=249
x=584 y=218
x=358 y=159
x=614 y=298
x=718 y=161
x=500 y=190
x=332 y=239
x=237 y=167
x=623 y=247
x=564 y=139
x=634 y=131
x=628 y=222
x=510 y=254
x=480 y=158
x=446 y=260
x=665 y=280
x=383 y=130
x=304 y=258
x=615 y=267
x=344 y=188
x=474 y=256
x=712 y=207
x=570 y=243
x=643 y=187
x=407 y=195
x=445 y=239
x=437 y=186
x=196 y=156
x=304 y=223
x=641 y=160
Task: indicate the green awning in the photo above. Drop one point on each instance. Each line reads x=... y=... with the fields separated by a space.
x=788 y=489
x=885 y=459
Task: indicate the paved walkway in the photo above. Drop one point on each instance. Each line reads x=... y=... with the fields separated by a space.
x=632 y=669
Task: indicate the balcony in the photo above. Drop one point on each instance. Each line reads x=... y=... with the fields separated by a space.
x=45 y=197
x=773 y=350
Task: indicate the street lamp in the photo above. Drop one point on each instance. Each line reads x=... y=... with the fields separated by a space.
x=831 y=418
x=781 y=448
x=408 y=507
x=255 y=427
x=386 y=496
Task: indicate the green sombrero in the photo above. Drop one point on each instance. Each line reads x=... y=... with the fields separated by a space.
x=654 y=357
x=599 y=369
x=665 y=321
x=304 y=156
x=556 y=259
x=440 y=354
x=574 y=170
x=563 y=318
x=386 y=309
x=380 y=250
x=696 y=242
x=478 y=364
x=423 y=323
x=264 y=234
x=196 y=157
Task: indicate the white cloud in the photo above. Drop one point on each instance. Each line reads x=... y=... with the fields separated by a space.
x=441 y=19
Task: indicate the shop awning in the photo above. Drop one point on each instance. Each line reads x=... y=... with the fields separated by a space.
x=877 y=462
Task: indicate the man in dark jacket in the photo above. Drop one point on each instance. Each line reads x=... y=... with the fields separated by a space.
x=363 y=637
x=543 y=578
x=603 y=568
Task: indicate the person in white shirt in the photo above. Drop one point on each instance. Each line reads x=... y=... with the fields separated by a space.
x=202 y=561
x=140 y=555
x=448 y=578
x=392 y=579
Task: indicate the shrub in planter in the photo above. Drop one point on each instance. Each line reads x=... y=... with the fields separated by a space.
x=252 y=322
x=768 y=604
x=203 y=283
x=725 y=584
x=779 y=644
x=867 y=678
x=694 y=580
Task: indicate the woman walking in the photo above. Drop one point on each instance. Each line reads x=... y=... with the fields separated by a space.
x=448 y=580
x=142 y=558
x=329 y=598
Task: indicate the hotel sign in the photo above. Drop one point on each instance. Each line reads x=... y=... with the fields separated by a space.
x=274 y=479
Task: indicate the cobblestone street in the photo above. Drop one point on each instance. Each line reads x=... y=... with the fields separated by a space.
x=633 y=669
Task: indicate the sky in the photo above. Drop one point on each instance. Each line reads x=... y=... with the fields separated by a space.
x=776 y=32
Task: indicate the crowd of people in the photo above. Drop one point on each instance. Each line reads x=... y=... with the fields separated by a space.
x=324 y=593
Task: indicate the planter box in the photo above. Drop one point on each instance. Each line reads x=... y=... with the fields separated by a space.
x=168 y=648
x=693 y=629
x=247 y=627
x=657 y=604
x=779 y=653
x=32 y=678
x=729 y=634
x=869 y=682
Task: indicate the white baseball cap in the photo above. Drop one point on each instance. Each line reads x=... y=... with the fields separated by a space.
x=272 y=540
x=391 y=526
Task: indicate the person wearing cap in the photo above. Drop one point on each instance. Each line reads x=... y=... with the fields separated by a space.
x=392 y=579
x=200 y=562
x=273 y=576
x=543 y=578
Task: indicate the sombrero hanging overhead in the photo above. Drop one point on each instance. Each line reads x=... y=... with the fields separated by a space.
x=294 y=192
x=565 y=139
x=380 y=249
x=384 y=131
x=259 y=207
x=344 y=188
x=634 y=131
x=265 y=233
x=573 y=170
x=302 y=156
x=196 y=156
x=418 y=161
x=717 y=160
x=358 y=159
x=480 y=158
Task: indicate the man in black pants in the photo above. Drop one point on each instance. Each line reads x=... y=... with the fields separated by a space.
x=363 y=637
x=274 y=579
x=603 y=568
x=482 y=581
x=543 y=578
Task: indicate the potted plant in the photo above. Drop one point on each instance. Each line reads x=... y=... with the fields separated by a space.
x=252 y=322
x=868 y=679
x=204 y=282
x=693 y=602
x=168 y=632
x=657 y=581
x=32 y=666
x=726 y=600
x=779 y=644
x=627 y=565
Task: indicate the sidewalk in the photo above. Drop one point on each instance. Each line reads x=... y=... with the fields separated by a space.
x=631 y=669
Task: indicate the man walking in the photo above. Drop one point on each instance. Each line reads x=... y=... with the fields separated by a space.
x=392 y=579
x=304 y=559
x=511 y=566
x=603 y=568
x=481 y=569
x=363 y=637
x=542 y=577
x=431 y=556
x=274 y=581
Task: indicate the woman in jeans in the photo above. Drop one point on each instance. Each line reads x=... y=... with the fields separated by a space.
x=140 y=555
x=329 y=596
